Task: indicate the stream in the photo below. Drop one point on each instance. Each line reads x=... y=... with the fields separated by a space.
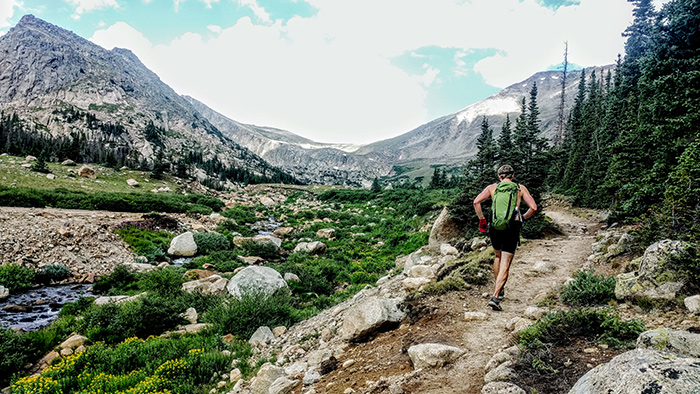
x=37 y=308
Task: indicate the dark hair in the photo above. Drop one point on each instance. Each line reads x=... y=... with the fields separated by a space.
x=506 y=171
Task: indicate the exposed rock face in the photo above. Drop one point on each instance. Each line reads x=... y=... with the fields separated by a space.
x=658 y=278
x=183 y=245
x=369 y=316
x=256 y=279
x=267 y=375
x=642 y=371
x=307 y=160
x=444 y=230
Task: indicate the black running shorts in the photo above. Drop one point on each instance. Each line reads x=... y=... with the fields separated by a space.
x=505 y=240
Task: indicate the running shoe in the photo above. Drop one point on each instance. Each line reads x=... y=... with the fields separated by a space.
x=494 y=303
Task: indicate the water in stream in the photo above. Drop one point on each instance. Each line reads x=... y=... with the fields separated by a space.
x=37 y=308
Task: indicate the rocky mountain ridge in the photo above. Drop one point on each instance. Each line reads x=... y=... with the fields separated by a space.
x=60 y=84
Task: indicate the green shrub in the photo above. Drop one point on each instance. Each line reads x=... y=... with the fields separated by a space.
x=16 y=277
x=558 y=328
x=211 y=242
x=152 y=244
x=587 y=288
x=266 y=250
x=122 y=202
x=242 y=317
x=446 y=285
x=164 y=281
x=228 y=227
x=151 y=314
x=121 y=280
x=77 y=307
x=53 y=273
x=241 y=215
x=223 y=260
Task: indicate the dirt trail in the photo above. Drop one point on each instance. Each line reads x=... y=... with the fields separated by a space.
x=443 y=319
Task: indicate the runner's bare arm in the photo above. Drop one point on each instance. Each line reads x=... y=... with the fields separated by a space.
x=483 y=196
x=529 y=201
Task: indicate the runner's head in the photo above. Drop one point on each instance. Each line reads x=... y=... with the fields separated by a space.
x=505 y=172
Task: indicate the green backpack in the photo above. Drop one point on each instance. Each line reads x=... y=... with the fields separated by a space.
x=504 y=203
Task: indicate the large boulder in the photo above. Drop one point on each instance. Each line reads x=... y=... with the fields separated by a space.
x=4 y=292
x=659 y=276
x=267 y=375
x=183 y=245
x=433 y=355
x=255 y=279
x=444 y=230
x=642 y=371
x=370 y=316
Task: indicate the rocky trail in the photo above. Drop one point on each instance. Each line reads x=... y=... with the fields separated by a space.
x=462 y=320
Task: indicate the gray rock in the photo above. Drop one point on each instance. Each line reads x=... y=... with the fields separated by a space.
x=502 y=388
x=444 y=230
x=87 y=172
x=657 y=278
x=183 y=245
x=370 y=316
x=327 y=233
x=73 y=342
x=262 y=335
x=117 y=299
x=282 y=386
x=254 y=279
x=68 y=163
x=534 y=313
x=311 y=376
x=267 y=375
x=315 y=247
x=4 y=292
x=433 y=355
x=692 y=303
x=642 y=371
x=132 y=182
x=296 y=370
x=498 y=359
x=191 y=315
x=448 y=250
x=500 y=373
x=680 y=342
x=543 y=266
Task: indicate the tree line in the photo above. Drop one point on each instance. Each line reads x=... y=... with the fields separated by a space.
x=631 y=140
x=109 y=144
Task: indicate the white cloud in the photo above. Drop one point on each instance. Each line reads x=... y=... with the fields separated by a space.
x=6 y=12
x=83 y=6
x=215 y=29
x=209 y=2
x=258 y=11
x=330 y=77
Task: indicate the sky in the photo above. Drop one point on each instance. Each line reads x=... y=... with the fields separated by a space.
x=342 y=71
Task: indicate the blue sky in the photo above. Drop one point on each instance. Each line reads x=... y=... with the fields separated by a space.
x=354 y=71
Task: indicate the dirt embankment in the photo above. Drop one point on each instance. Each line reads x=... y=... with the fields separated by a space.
x=80 y=240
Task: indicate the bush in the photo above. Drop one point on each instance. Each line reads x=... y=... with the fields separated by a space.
x=559 y=328
x=16 y=277
x=223 y=260
x=152 y=244
x=53 y=273
x=242 y=317
x=211 y=242
x=444 y=286
x=587 y=288
x=122 y=280
x=266 y=250
x=151 y=314
x=164 y=281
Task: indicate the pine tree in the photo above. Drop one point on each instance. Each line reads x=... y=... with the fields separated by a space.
x=40 y=164
x=505 y=143
x=376 y=187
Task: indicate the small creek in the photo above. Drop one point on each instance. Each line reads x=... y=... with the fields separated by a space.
x=266 y=227
x=37 y=308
